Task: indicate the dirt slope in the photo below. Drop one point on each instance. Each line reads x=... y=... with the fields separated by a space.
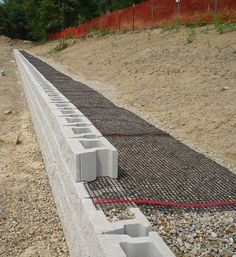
x=29 y=225
x=187 y=89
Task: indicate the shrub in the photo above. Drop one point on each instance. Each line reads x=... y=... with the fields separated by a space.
x=61 y=46
x=191 y=35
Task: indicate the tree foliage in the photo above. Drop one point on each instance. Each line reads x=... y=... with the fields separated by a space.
x=34 y=19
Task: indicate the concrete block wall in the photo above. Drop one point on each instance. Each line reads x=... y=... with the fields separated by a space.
x=85 y=150
x=62 y=132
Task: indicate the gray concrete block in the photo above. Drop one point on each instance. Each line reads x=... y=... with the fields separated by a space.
x=77 y=122
x=64 y=106
x=89 y=158
x=87 y=131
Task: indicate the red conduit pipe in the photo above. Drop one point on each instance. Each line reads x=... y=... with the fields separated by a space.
x=162 y=203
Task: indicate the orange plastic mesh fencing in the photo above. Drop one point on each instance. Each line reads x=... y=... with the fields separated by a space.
x=96 y=23
x=164 y=12
x=143 y=15
x=154 y=13
x=126 y=18
x=196 y=11
x=104 y=22
x=114 y=21
x=226 y=10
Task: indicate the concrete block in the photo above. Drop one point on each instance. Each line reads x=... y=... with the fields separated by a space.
x=74 y=131
x=78 y=122
x=65 y=106
x=67 y=113
x=123 y=245
x=90 y=158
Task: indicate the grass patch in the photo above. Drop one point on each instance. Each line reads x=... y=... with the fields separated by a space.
x=171 y=27
x=104 y=33
x=222 y=28
x=177 y=26
x=69 y=36
x=98 y=32
x=191 y=35
x=61 y=46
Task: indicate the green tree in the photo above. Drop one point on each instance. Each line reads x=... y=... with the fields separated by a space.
x=87 y=10
x=34 y=19
x=2 y=20
x=15 y=21
x=119 y=4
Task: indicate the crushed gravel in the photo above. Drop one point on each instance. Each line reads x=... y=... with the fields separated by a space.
x=116 y=214
x=188 y=234
x=194 y=234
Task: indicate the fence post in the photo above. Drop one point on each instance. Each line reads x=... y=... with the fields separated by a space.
x=100 y=22
x=133 y=15
x=152 y=10
x=119 y=19
x=108 y=20
x=178 y=8
x=216 y=11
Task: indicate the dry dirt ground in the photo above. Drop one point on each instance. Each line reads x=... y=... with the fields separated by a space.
x=29 y=225
x=187 y=89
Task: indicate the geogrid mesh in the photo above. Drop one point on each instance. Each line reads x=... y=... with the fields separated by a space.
x=152 y=164
x=119 y=121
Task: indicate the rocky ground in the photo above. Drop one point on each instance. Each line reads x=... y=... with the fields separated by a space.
x=193 y=234
x=189 y=234
x=29 y=225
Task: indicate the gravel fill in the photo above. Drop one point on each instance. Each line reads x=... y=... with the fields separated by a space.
x=116 y=214
x=194 y=234
x=188 y=234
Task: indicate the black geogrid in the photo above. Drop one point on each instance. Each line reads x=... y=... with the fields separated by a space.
x=152 y=164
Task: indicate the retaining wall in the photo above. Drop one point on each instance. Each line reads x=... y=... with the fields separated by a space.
x=87 y=230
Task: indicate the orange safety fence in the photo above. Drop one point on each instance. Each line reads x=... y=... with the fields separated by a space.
x=165 y=12
x=196 y=11
x=143 y=15
x=155 y=13
x=227 y=10
x=114 y=21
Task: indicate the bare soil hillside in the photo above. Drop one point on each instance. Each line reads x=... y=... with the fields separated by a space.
x=187 y=88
